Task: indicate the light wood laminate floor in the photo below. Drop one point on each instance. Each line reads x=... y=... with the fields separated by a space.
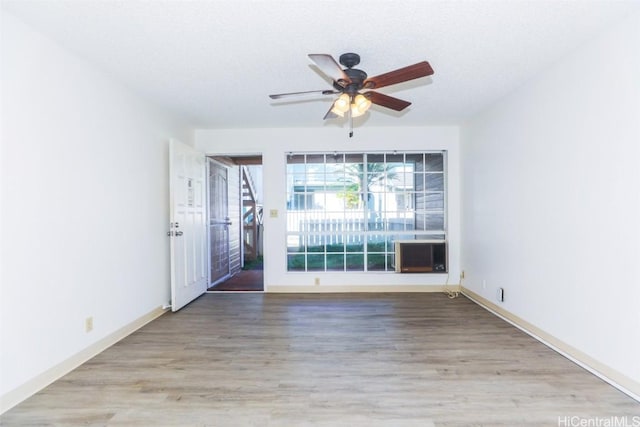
x=325 y=360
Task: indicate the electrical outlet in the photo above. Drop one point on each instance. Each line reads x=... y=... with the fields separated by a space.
x=88 y=324
x=273 y=213
x=484 y=284
x=500 y=295
x=462 y=274
x=316 y=281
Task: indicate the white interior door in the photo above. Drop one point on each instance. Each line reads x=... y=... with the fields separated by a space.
x=188 y=224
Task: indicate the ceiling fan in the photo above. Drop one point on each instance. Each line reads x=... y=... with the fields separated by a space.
x=349 y=82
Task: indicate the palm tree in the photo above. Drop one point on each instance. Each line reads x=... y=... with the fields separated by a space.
x=361 y=181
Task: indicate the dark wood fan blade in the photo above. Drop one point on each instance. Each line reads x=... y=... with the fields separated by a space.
x=319 y=92
x=387 y=101
x=330 y=67
x=421 y=69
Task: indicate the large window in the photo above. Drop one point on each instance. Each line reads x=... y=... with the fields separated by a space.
x=346 y=210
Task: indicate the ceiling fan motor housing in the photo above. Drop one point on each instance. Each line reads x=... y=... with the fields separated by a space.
x=349 y=60
x=357 y=78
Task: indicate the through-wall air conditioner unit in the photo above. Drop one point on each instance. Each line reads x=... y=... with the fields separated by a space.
x=421 y=256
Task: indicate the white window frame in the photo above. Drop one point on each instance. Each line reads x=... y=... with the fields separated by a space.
x=315 y=233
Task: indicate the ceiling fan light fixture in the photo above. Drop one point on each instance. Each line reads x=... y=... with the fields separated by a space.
x=355 y=112
x=360 y=105
x=341 y=105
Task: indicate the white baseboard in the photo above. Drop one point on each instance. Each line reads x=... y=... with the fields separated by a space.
x=31 y=387
x=360 y=288
x=618 y=380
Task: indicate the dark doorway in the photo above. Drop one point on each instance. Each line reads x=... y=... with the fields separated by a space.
x=246 y=201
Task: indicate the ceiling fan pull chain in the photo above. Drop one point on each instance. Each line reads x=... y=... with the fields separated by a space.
x=350 y=123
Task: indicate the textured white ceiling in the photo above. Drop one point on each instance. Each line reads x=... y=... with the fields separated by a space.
x=216 y=62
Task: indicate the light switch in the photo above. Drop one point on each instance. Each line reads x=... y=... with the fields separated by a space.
x=273 y=213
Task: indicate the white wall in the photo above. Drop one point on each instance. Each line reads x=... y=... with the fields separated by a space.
x=274 y=144
x=551 y=200
x=84 y=205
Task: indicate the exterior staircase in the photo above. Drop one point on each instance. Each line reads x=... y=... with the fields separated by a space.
x=252 y=217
